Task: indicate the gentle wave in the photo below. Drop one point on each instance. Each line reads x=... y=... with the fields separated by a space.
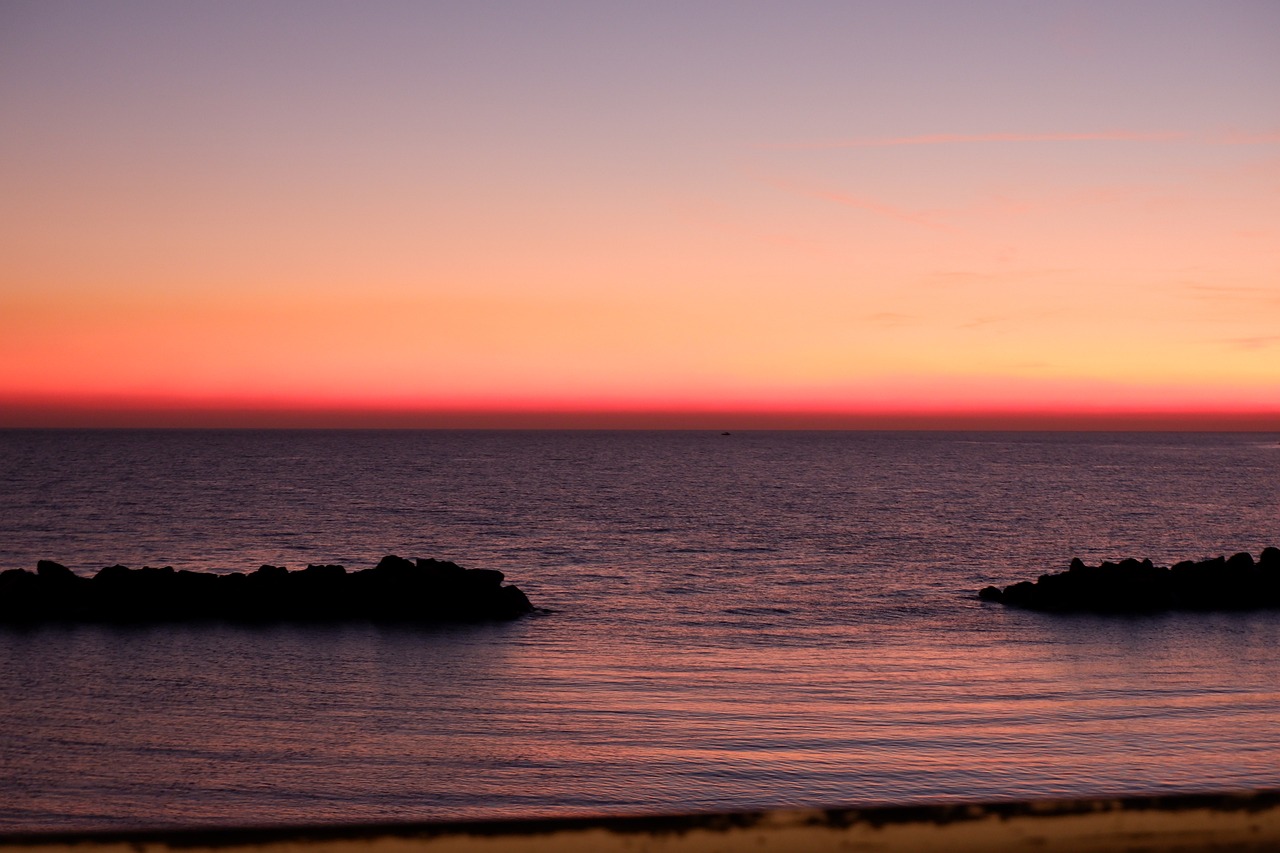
x=781 y=619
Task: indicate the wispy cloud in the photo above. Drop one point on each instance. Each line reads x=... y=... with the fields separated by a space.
x=982 y=322
x=1240 y=138
x=1233 y=293
x=721 y=219
x=1253 y=343
x=860 y=202
x=968 y=138
x=1270 y=137
x=890 y=319
x=958 y=278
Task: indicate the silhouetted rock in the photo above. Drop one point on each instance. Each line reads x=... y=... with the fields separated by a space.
x=393 y=564
x=990 y=593
x=440 y=567
x=50 y=570
x=1133 y=586
x=395 y=590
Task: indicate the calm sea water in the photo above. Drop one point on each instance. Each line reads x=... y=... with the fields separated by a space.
x=761 y=619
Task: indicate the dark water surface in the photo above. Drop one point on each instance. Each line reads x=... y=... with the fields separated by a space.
x=762 y=619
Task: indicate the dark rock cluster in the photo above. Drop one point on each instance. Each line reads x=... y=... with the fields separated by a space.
x=1137 y=586
x=396 y=590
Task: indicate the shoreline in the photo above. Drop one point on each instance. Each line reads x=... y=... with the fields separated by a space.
x=1248 y=820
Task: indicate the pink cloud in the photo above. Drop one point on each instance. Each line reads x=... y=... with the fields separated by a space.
x=1227 y=138
x=959 y=138
x=1238 y=138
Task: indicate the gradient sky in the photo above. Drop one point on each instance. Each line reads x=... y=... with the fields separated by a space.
x=313 y=210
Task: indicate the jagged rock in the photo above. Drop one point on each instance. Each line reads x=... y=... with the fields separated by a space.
x=395 y=590
x=391 y=563
x=1133 y=586
x=274 y=572
x=50 y=570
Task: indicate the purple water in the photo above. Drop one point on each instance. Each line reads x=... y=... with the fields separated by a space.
x=760 y=619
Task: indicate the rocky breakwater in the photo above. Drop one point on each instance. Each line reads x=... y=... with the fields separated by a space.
x=396 y=590
x=1137 y=586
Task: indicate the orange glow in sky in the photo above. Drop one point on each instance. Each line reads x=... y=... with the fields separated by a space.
x=554 y=214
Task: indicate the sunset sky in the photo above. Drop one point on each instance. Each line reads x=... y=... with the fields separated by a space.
x=596 y=213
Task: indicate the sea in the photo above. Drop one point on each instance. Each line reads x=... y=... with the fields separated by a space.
x=725 y=622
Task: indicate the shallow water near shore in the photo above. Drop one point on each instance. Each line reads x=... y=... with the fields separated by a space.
x=762 y=619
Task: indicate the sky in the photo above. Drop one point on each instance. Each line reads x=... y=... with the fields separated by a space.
x=640 y=214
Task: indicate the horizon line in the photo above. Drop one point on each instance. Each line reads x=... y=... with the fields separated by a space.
x=672 y=418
